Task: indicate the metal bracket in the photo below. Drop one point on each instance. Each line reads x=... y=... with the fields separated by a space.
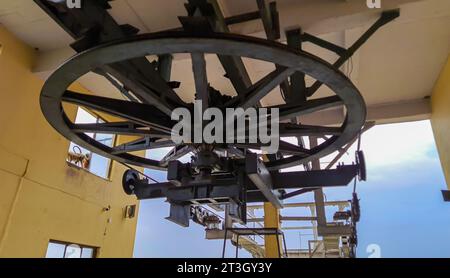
x=385 y=18
x=262 y=178
x=180 y=214
x=446 y=195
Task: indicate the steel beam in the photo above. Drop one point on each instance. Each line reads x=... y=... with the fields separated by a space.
x=298 y=84
x=315 y=178
x=262 y=179
x=307 y=180
x=300 y=107
x=93 y=25
x=180 y=214
x=385 y=18
x=345 y=230
x=136 y=112
x=201 y=79
x=318 y=193
x=142 y=144
x=292 y=130
x=270 y=18
x=305 y=37
x=241 y=18
x=264 y=86
x=306 y=205
x=119 y=128
x=295 y=193
x=285 y=218
x=234 y=66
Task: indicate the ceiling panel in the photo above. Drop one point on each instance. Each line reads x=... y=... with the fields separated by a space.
x=402 y=61
x=32 y=25
x=158 y=15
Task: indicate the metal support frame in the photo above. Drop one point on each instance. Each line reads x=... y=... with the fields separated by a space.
x=385 y=18
x=255 y=231
x=234 y=66
x=262 y=179
x=253 y=183
x=149 y=81
x=297 y=89
x=334 y=229
x=278 y=181
x=147 y=85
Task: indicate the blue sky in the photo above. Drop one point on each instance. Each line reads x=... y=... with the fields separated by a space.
x=401 y=203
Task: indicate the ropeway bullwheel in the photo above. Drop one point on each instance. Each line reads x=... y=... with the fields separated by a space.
x=149 y=118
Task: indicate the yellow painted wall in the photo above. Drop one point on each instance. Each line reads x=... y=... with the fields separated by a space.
x=41 y=197
x=440 y=118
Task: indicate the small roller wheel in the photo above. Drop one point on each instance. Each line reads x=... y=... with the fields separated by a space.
x=129 y=180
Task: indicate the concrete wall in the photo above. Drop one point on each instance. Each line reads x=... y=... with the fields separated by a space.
x=42 y=198
x=440 y=119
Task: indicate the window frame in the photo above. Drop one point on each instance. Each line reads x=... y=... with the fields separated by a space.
x=98 y=119
x=95 y=250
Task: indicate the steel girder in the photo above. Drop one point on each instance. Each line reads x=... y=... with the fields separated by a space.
x=303 y=179
x=246 y=181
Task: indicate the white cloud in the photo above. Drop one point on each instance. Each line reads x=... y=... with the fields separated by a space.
x=388 y=145
x=395 y=144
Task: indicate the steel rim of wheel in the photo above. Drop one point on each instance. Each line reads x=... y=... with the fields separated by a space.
x=55 y=90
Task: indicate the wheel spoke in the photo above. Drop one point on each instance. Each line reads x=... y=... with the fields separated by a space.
x=294 y=130
x=142 y=144
x=139 y=113
x=235 y=151
x=119 y=128
x=264 y=86
x=284 y=147
x=176 y=153
x=200 y=77
x=289 y=111
x=236 y=72
x=123 y=90
x=291 y=149
x=147 y=85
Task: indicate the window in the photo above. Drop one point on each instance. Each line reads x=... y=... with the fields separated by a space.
x=60 y=250
x=94 y=163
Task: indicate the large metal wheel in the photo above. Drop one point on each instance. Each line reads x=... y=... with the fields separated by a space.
x=150 y=119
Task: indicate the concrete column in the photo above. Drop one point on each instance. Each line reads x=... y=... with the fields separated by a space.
x=440 y=118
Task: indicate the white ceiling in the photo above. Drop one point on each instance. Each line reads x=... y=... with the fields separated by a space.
x=400 y=62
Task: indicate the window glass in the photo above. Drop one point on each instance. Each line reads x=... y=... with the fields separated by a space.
x=99 y=166
x=55 y=250
x=73 y=251
x=94 y=163
x=87 y=253
x=69 y=251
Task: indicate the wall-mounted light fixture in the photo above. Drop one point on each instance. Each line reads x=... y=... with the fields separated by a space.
x=446 y=195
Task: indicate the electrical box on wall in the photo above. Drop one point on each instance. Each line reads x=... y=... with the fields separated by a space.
x=130 y=211
x=446 y=195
